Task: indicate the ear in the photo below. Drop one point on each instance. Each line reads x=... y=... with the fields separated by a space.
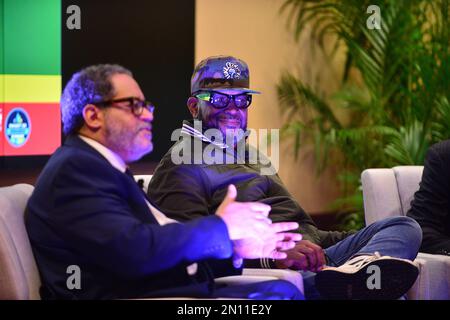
x=193 y=106
x=93 y=117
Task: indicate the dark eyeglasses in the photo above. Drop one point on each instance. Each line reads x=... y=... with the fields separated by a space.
x=221 y=100
x=137 y=105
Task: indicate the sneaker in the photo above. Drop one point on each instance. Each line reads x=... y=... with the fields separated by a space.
x=356 y=279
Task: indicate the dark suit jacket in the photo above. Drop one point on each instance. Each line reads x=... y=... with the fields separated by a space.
x=84 y=212
x=431 y=204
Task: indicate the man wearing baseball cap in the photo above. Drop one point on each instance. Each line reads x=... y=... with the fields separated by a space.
x=216 y=81
x=192 y=178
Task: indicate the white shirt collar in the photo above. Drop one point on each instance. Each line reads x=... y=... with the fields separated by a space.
x=112 y=157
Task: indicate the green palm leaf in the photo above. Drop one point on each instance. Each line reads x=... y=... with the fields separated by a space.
x=400 y=107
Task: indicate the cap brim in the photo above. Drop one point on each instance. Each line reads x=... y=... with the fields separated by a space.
x=228 y=90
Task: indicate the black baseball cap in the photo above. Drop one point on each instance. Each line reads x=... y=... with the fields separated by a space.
x=221 y=73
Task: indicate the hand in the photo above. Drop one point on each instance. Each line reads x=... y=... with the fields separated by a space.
x=244 y=219
x=270 y=244
x=305 y=256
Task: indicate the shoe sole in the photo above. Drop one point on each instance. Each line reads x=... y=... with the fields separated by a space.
x=396 y=278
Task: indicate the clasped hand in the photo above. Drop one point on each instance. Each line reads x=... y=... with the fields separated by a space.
x=252 y=232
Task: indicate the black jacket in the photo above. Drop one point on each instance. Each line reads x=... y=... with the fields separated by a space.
x=84 y=212
x=431 y=204
x=186 y=191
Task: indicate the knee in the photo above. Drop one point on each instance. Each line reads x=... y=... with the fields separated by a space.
x=409 y=228
x=293 y=292
x=415 y=230
x=409 y=224
x=284 y=290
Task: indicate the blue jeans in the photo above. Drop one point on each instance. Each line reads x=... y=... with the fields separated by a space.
x=398 y=237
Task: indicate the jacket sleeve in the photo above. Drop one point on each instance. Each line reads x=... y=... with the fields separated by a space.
x=285 y=208
x=431 y=207
x=182 y=191
x=91 y=214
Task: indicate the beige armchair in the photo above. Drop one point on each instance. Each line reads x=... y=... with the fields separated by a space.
x=388 y=193
x=19 y=276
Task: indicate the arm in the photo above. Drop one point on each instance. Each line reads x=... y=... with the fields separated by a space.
x=430 y=207
x=286 y=208
x=182 y=191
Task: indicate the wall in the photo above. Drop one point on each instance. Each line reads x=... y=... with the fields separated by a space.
x=150 y=38
x=255 y=31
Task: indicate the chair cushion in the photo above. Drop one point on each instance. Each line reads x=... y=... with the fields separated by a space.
x=19 y=277
x=408 y=179
x=381 y=198
x=435 y=274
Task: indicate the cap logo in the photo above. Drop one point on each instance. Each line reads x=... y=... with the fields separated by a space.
x=231 y=71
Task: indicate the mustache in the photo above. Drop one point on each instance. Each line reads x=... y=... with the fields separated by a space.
x=227 y=116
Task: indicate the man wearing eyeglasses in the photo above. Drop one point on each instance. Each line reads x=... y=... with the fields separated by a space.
x=189 y=183
x=95 y=234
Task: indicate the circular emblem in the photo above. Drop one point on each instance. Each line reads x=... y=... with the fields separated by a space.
x=231 y=71
x=17 y=127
